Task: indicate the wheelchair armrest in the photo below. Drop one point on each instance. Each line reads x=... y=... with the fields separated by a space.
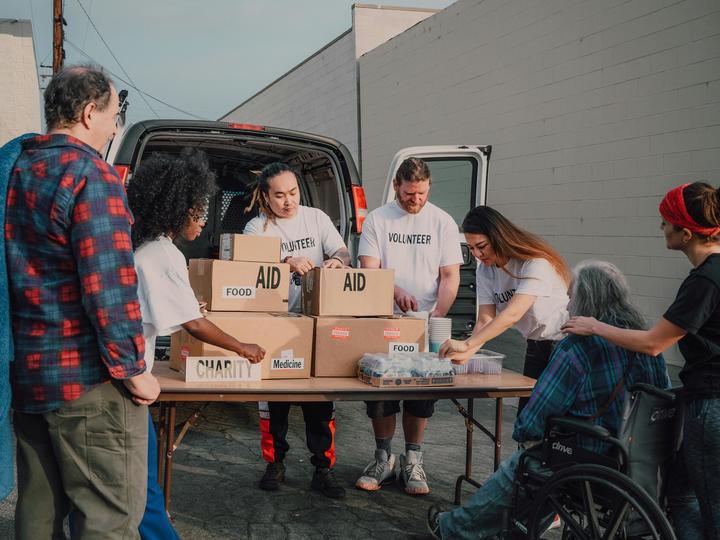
x=577 y=425
x=654 y=390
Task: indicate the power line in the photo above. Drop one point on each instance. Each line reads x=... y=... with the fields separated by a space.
x=115 y=58
x=86 y=55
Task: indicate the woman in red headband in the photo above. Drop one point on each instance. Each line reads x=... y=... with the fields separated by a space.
x=691 y=224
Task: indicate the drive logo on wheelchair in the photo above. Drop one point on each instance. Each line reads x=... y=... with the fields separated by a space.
x=660 y=414
x=557 y=446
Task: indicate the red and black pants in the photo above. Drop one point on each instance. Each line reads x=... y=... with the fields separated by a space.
x=319 y=431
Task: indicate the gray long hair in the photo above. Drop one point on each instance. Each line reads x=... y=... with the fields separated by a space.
x=598 y=289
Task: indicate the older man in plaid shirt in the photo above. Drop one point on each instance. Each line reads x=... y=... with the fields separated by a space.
x=79 y=382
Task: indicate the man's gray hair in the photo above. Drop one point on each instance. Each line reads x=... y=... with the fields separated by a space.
x=599 y=289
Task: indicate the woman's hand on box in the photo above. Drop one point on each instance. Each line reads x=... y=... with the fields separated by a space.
x=254 y=353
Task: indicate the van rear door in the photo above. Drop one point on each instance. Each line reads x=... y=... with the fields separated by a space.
x=459 y=184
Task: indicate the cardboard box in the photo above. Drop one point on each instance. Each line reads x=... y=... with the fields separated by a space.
x=240 y=286
x=340 y=342
x=249 y=248
x=287 y=338
x=387 y=382
x=348 y=292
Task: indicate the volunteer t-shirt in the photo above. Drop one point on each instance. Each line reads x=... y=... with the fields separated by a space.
x=416 y=246
x=166 y=299
x=696 y=310
x=309 y=234
x=535 y=277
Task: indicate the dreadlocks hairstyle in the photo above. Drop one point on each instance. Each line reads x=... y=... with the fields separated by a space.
x=510 y=241
x=262 y=188
x=166 y=190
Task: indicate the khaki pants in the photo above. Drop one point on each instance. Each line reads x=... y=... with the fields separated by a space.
x=89 y=456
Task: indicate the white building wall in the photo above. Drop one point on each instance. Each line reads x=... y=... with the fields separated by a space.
x=19 y=88
x=594 y=110
x=318 y=96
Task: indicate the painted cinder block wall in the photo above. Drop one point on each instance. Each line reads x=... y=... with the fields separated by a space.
x=594 y=110
x=19 y=89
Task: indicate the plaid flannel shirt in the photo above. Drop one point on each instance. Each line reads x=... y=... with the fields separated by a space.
x=579 y=380
x=73 y=288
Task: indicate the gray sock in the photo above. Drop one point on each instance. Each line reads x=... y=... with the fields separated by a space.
x=384 y=444
x=415 y=447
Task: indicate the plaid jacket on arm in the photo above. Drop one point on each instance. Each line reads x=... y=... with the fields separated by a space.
x=73 y=287
x=579 y=380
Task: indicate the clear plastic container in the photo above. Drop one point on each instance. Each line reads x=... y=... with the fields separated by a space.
x=486 y=361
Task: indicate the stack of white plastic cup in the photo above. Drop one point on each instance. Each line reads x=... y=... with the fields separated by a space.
x=439 y=330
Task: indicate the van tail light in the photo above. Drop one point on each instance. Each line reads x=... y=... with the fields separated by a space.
x=123 y=171
x=247 y=127
x=360 y=204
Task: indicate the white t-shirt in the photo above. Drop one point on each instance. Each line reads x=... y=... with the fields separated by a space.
x=166 y=299
x=545 y=317
x=416 y=246
x=309 y=234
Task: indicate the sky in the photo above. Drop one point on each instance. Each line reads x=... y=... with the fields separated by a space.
x=203 y=57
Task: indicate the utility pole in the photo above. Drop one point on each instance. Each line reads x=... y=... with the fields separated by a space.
x=58 y=51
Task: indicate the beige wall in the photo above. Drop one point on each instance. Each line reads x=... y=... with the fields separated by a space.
x=594 y=110
x=320 y=94
x=19 y=89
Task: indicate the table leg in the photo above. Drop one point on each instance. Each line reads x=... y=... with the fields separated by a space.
x=470 y=423
x=162 y=428
x=169 y=450
x=498 y=431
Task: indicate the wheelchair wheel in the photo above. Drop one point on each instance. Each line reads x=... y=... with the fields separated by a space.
x=596 y=502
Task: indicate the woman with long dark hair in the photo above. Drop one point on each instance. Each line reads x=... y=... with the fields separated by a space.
x=521 y=282
x=691 y=224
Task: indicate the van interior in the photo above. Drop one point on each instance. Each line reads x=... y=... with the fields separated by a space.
x=236 y=163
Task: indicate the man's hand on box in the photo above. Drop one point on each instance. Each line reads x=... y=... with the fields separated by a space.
x=405 y=300
x=254 y=353
x=300 y=265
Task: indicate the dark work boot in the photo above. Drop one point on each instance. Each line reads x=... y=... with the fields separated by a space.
x=324 y=480
x=273 y=477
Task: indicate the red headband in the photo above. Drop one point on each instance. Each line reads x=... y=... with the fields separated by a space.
x=673 y=211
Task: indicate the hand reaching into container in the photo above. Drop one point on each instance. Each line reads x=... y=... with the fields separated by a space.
x=457 y=351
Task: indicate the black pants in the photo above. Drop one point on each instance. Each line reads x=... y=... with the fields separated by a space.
x=319 y=431
x=537 y=356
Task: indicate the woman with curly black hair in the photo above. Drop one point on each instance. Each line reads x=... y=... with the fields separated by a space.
x=168 y=196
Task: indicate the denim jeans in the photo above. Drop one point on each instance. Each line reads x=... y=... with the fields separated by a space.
x=155 y=524
x=695 y=505
x=482 y=516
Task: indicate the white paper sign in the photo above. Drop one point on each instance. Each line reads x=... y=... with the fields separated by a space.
x=287 y=363
x=225 y=243
x=238 y=291
x=403 y=348
x=220 y=369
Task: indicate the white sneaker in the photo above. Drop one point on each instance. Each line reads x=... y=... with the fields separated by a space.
x=378 y=472
x=412 y=474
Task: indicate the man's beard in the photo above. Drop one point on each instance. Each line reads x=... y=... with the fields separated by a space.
x=411 y=209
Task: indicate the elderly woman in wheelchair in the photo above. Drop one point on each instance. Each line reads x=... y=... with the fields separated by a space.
x=595 y=437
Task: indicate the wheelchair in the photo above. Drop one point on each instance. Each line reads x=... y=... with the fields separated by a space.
x=619 y=494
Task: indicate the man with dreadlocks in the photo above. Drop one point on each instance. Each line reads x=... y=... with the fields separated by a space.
x=309 y=240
